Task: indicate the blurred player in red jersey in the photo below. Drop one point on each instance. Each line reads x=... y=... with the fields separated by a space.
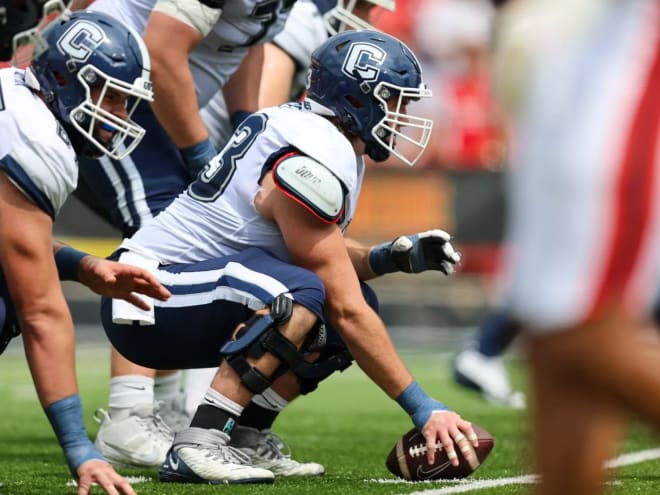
x=582 y=82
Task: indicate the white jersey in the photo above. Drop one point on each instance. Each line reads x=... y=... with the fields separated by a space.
x=303 y=32
x=242 y=23
x=584 y=225
x=35 y=151
x=216 y=216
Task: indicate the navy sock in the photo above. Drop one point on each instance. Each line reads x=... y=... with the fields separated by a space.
x=208 y=416
x=258 y=417
x=496 y=334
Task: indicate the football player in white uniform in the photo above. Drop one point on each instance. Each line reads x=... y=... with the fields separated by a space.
x=284 y=74
x=72 y=101
x=261 y=274
x=195 y=47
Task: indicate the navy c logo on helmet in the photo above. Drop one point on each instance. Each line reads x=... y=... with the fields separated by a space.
x=365 y=60
x=80 y=40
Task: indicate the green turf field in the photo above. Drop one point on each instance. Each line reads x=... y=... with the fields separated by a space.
x=347 y=424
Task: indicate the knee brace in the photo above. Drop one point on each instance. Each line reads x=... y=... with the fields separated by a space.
x=331 y=359
x=260 y=335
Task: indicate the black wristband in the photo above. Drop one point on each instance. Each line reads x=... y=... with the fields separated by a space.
x=67 y=260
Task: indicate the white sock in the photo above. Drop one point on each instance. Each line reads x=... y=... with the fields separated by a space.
x=127 y=391
x=271 y=400
x=197 y=382
x=167 y=387
x=216 y=399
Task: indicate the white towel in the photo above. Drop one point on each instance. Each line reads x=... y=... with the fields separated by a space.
x=125 y=313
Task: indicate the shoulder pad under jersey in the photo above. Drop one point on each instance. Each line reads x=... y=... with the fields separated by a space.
x=312 y=185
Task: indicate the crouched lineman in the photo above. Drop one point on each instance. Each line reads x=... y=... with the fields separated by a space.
x=72 y=100
x=255 y=257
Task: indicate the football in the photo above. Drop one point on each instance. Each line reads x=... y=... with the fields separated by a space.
x=407 y=458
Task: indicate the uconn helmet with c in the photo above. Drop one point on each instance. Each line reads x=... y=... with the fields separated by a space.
x=80 y=51
x=366 y=79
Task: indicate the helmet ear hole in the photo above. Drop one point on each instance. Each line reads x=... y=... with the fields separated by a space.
x=354 y=102
x=61 y=80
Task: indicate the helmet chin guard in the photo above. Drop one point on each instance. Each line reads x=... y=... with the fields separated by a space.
x=404 y=136
x=88 y=116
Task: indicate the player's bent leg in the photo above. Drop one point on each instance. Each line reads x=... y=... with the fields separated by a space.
x=262 y=346
x=324 y=353
x=132 y=433
x=170 y=396
x=237 y=284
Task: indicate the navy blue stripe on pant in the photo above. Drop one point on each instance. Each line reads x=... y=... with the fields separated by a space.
x=209 y=299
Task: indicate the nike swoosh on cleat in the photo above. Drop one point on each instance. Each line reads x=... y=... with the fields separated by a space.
x=174 y=462
x=431 y=473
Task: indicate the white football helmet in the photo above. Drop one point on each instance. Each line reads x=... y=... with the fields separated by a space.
x=342 y=17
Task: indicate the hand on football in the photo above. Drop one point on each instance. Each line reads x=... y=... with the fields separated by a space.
x=448 y=427
x=120 y=281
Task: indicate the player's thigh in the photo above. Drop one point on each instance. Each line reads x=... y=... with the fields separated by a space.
x=209 y=299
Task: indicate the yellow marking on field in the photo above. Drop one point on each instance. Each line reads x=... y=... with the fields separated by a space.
x=98 y=246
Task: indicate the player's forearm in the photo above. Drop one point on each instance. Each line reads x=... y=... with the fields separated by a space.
x=279 y=69
x=359 y=254
x=170 y=42
x=241 y=91
x=50 y=349
x=175 y=105
x=373 y=350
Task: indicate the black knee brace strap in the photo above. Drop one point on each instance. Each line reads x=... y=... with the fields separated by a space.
x=311 y=374
x=261 y=335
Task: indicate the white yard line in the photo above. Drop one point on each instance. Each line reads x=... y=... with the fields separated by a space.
x=464 y=486
x=633 y=458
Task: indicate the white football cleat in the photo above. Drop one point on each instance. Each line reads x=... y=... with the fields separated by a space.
x=201 y=455
x=267 y=450
x=487 y=375
x=141 y=439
